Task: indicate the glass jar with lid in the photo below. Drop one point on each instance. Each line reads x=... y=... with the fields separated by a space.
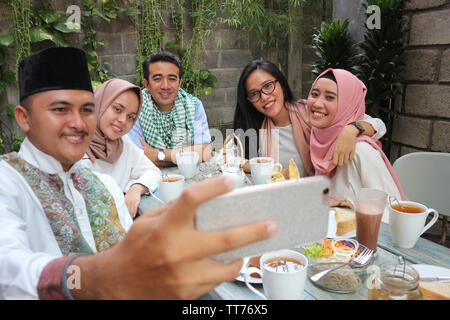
x=396 y=283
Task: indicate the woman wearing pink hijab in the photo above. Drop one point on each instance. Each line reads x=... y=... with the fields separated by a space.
x=336 y=99
x=117 y=106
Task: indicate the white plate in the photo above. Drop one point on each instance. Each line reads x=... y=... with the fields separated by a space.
x=243 y=269
x=332 y=228
x=428 y=270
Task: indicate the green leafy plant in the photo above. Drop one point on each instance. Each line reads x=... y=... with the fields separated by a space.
x=89 y=19
x=334 y=47
x=50 y=25
x=195 y=80
x=10 y=139
x=382 y=62
x=7 y=77
x=20 y=12
x=267 y=23
x=148 y=32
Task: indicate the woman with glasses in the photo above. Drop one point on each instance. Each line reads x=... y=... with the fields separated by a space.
x=265 y=102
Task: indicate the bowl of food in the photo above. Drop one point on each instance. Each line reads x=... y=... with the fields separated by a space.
x=329 y=253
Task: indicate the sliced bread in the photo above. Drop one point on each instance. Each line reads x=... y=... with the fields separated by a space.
x=435 y=290
x=345 y=221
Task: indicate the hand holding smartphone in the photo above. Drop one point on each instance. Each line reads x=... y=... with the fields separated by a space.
x=299 y=208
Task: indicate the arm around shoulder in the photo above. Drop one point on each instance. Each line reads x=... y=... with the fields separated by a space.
x=375 y=127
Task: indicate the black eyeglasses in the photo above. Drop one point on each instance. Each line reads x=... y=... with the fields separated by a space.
x=268 y=88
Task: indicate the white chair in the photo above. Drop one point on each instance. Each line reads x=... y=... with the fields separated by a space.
x=425 y=178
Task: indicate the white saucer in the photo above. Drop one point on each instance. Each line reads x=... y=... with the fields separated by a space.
x=428 y=270
x=240 y=277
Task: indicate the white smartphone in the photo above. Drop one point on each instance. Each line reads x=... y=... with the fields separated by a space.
x=299 y=208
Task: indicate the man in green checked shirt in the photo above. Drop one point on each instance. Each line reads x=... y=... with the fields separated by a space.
x=171 y=119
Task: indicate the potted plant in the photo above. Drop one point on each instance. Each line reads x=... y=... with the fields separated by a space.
x=382 y=61
x=334 y=47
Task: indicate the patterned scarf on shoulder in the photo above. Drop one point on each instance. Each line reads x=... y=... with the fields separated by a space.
x=60 y=213
x=168 y=130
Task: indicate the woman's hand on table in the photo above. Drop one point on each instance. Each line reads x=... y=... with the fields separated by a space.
x=164 y=256
x=133 y=198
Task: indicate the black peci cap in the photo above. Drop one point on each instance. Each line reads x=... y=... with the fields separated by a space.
x=54 y=69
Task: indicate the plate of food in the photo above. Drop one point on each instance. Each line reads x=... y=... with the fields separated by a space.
x=250 y=262
x=429 y=271
x=341 y=223
x=330 y=252
x=433 y=290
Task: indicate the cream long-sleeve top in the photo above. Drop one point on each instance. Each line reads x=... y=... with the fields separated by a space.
x=27 y=242
x=132 y=167
x=366 y=170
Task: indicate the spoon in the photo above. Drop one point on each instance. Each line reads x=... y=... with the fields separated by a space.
x=153 y=195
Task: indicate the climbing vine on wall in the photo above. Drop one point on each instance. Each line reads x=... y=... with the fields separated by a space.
x=148 y=32
x=21 y=26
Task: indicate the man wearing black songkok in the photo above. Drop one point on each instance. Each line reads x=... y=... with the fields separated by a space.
x=56 y=215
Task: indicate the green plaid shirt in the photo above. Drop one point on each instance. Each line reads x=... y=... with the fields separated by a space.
x=170 y=130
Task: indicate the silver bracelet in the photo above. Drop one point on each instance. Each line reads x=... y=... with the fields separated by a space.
x=64 y=287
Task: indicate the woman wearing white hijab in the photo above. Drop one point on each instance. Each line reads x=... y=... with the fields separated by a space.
x=118 y=103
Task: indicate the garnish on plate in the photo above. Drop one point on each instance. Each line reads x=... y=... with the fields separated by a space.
x=333 y=250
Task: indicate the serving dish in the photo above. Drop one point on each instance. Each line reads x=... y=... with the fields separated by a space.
x=347 y=279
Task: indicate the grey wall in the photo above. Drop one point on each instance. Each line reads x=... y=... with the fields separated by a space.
x=423 y=123
x=354 y=11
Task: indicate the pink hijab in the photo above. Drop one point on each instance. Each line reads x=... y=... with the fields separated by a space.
x=351 y=107
x=104 y=95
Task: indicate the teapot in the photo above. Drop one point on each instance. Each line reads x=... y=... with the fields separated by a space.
x=236 y=174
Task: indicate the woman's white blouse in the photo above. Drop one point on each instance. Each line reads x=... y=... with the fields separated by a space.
x=367 y=170
x=132 y=167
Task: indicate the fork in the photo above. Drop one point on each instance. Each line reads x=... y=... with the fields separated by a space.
x=361 y=260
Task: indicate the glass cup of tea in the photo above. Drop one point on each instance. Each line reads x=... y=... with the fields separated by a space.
x=283 y=275
x=369 y=207
x=407 y=222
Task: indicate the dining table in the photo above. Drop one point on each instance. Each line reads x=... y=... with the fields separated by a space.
x=425 y=254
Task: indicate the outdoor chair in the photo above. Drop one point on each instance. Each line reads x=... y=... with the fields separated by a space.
x=425 y=178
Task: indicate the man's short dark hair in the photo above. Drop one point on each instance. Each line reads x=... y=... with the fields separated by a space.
x=165 y=56
x=27 y=103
